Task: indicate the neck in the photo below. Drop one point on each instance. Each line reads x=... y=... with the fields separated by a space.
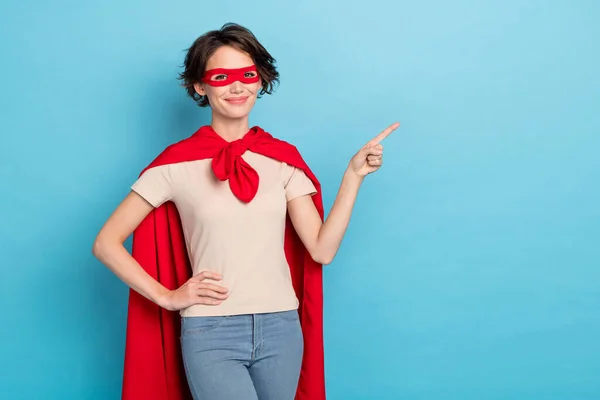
x=230 y=129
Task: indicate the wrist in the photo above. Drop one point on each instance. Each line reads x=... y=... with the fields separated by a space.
x=162 y=299
x=353 y=176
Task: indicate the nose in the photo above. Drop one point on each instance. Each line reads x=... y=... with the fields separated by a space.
x=236 y=87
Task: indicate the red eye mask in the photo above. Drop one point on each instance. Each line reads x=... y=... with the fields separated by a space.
x=230 y=76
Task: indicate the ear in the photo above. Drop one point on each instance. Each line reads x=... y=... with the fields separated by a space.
x=199 y=88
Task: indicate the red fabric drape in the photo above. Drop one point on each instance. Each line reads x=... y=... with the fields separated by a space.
x=153 y=365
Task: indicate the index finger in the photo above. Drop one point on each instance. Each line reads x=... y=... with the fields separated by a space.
x=208 y=275
x=383 y=134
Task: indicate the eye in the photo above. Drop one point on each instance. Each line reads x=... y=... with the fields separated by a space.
x=250 y=74
x=219 y=77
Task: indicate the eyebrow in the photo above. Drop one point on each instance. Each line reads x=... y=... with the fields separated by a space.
x=250 y=68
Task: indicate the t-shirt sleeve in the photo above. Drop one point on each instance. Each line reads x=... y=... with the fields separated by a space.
x=155 y=185
x=297 y=183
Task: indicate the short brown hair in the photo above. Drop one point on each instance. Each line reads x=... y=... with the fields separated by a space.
x=233 y=35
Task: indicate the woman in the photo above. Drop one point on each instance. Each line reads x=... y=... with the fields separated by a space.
x=228 y=231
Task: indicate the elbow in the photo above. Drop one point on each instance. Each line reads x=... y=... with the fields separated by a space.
x=324 y=259
x=321 y=254
x=97 y=247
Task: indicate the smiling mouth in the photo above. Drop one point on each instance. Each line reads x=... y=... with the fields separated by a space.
x=237 y=100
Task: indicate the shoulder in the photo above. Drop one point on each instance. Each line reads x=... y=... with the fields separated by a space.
x=170 y=155
x=164 y=170
x=272 y=140
x=286 y=145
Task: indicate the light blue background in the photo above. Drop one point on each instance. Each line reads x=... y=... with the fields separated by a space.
x=470 y=269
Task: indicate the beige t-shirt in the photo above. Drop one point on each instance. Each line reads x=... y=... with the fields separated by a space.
x=243 y=242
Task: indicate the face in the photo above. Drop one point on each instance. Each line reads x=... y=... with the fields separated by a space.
x=231 y=83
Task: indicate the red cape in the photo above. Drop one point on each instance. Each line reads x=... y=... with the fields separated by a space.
x=153 y=365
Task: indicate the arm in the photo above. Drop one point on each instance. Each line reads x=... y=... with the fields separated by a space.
x=322 y=240
x=108 y=248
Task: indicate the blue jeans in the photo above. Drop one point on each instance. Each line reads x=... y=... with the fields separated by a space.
x=243 y=357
